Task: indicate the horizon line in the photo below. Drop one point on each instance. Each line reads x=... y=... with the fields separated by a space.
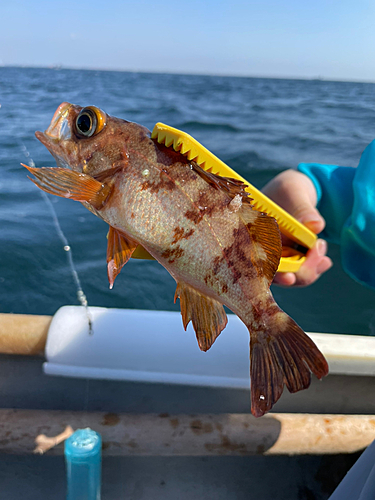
x=58 y=67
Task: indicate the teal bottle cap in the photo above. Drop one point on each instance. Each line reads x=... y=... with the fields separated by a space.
x=83 y=444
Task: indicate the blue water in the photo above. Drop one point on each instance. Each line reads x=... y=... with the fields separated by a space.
x=258 y=126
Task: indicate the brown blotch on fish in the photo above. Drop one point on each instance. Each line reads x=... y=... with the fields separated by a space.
x=180 y=233
x=194 y=215
x=264 y=310
x=171 y=254
x=165 y=183
x=216 y=264
x=241 y=239
x=236 y=275
x=205 y=207
x=215 y=282
x=209 y=278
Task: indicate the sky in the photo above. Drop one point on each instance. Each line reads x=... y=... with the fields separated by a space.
x=330 y=39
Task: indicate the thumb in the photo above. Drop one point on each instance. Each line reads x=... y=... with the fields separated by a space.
x=296 y=193
x=309 y=216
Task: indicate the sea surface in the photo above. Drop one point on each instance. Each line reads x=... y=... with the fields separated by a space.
x=258 y=126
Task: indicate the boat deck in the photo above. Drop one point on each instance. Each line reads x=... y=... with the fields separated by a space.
x=25 y=386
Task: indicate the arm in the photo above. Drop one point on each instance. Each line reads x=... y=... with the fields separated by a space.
x=346 y=198
x=334 y=195
x=358 y=234
x=338 y=203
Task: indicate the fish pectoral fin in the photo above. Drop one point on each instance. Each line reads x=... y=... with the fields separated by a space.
x=206 y=314
x=264 y=231
x=70 y=184
x=119 y=251
x=107 y=176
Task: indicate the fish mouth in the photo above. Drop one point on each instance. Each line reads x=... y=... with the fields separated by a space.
x=45 y=140
x=58 y=129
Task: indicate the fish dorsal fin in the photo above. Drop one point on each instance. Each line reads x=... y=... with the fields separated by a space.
x=264 y=232
x=206 y=314
x=119 y=251
x=232 y=187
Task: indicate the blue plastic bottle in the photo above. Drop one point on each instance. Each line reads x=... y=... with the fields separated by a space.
x=83 y=457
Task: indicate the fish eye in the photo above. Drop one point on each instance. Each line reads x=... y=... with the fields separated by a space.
x=86 y=122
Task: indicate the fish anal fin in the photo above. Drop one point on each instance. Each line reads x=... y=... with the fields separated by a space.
x=71 y=184
x=232 y=187
x=206 y=314
x=119 y=251
x=281 y=354
x=264 y=231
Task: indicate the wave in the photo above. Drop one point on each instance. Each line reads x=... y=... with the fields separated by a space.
x=198 y=125
x=246 y=163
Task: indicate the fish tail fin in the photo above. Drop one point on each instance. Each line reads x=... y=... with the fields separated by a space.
x=280 y=353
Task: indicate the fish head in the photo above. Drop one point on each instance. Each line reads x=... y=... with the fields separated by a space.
x=86 y=139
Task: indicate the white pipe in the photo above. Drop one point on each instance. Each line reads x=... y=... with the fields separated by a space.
x=151 y=346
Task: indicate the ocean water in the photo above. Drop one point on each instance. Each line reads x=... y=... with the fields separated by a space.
x=258 y=126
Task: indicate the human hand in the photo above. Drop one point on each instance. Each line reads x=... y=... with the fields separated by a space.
x=296 y=193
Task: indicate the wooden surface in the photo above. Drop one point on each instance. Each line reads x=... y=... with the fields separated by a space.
x=192 y=435
x=23 y=333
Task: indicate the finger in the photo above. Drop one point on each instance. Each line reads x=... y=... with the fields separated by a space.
x=311 y=218
x=309 y=275
x=315 y=265
x=284 y=279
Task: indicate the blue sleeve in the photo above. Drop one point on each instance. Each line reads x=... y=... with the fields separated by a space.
x=358 y=234
x=346 y=200
x=334 y=187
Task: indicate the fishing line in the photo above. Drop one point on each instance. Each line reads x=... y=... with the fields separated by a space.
x=80 y=294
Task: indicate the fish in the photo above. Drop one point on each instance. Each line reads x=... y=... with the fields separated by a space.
x=202 y=228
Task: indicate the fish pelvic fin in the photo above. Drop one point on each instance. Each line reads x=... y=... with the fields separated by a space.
x=206 y=314
x=119 y=251
x=281 y=353
x=71 y=184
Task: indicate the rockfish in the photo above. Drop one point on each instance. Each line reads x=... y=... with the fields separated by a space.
x=201 y=227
